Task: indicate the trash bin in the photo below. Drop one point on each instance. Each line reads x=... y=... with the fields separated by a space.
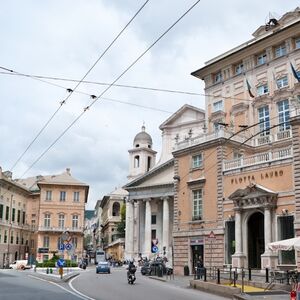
x=186 y=271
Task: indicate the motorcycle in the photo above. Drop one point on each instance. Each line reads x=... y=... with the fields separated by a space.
x=131 y=275
x=131 y=278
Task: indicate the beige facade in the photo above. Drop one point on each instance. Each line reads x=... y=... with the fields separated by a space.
x=35 y=213
x=113 y=242
x=236 y=185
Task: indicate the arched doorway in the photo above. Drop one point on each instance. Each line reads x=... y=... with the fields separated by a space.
x=256 y=240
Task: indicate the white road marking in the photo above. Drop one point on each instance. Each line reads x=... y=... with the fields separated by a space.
x=71 y=286
x=76 y=293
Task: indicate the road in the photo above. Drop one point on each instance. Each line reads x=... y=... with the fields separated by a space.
x=114 y=286
x=16 y=285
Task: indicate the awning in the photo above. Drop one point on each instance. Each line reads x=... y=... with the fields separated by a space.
x=289 y=244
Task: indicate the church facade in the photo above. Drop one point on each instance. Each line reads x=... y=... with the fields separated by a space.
x=150 y=201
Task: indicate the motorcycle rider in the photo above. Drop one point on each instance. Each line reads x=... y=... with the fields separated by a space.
x=131 y=269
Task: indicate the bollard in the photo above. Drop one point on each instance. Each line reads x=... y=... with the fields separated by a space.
x=267 y=275
x=243 y=275
x=204 y=274
x=218 y=276
x=249 y=274
x=230 y=273
x=234 y=278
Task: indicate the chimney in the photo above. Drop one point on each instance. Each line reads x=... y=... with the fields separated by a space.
x=68 y=171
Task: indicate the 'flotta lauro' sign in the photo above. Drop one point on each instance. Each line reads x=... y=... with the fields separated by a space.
x=251 y=178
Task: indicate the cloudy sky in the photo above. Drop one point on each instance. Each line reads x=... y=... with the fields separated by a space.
x=64 y=38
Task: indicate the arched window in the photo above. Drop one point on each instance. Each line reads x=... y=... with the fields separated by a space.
x=148 y=163
x=116 y=209
x=136 y=161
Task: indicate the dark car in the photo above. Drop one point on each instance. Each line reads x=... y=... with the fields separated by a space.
x=158 y=267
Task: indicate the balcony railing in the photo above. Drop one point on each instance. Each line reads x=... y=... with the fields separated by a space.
x=206 y=138
x=60 y=229
x=258 y=141
x=257 y=159
x=278 y=136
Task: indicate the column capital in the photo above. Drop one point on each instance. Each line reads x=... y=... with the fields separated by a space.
x=147 y=199
x=165 y=198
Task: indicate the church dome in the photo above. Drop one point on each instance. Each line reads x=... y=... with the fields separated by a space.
x=142 y=139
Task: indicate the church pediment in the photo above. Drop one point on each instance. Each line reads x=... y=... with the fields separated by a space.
x=253 y=195
x=160 y=175
x=186 y=114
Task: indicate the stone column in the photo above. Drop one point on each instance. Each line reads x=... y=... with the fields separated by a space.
x=238 y=258
x=148 y=228
x=166 y=224
x=268 y=259
x=129 y=230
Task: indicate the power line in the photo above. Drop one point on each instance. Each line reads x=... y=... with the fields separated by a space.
x=104 y=84
x=118 y=85
x=110 y=85
x=71 y=91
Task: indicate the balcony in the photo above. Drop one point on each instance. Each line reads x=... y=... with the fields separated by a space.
x=207 y=138
x=257 y=159
x=278 y=136
x=60 y=229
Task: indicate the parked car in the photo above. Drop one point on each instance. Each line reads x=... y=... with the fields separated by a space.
x=19 y=265
x=103 y=267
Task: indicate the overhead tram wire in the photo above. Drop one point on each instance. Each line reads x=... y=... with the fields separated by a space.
x=71 y=91
x=122 y=74
x=119 y=85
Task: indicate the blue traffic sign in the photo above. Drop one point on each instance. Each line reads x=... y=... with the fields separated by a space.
x=154 y=249
x=68 y=246
x=61 y=247
x=61 y=262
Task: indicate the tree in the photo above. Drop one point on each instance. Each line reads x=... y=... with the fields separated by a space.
x=122 y=223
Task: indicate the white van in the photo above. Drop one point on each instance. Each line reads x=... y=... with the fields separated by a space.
x=19 y=265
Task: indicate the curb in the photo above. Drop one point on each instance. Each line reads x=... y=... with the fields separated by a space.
x=158 y=278
x=55 y=278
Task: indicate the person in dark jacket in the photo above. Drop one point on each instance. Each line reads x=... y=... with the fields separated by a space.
x=200 y=267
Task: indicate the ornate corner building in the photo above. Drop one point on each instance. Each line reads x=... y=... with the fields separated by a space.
x=36 y=211
x=237 y=186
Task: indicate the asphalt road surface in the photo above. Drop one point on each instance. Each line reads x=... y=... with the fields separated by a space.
x=21 y=285
x=114 y=286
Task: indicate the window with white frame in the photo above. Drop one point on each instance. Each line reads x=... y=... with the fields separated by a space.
x=218 y=106
x=74 y=242
x=46 y=242
x=62 y=197
x=47 y=220
x=75 y=221
x=239 y=68
x=197 y=161
x=217 y=125
x=264 y=120
x=76 y=197
x=218 y=77
x=280 y=50
x=61 y=221
x=262 y=90
x=282 y=82
x=283 y=115
x=197 y=204
x=48 y=195
x=297 y=43
x=261 y=58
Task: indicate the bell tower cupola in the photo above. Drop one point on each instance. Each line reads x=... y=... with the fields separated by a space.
x=141 y=156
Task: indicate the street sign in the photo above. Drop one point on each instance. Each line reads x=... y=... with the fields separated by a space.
x=154 y=249
x=61 y=262
x=68 y=247
x=212 y=235
x=61 y=247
